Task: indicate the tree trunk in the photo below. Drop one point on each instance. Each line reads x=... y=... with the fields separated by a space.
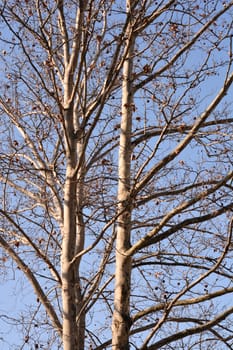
x=121 y=316
x=80 y=240
x=70 y=337
x=68 y=270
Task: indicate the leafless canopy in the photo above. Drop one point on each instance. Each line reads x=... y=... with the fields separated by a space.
x=116 y=174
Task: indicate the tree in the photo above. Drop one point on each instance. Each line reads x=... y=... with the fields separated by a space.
x=116 y=171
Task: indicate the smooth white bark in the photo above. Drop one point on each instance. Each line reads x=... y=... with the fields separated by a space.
x=121 y=316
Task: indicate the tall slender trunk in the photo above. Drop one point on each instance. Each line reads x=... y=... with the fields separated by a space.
x=68 y=270
x=70 y=339
x=80 y=240
x=73 y=239
x=73 y=228
x=121 y=316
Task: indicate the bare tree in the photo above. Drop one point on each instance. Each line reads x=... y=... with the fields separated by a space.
x=116 y=172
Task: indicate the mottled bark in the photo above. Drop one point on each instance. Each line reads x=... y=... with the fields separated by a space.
x=80 y=240
x=70 y=339
x=121 y=317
